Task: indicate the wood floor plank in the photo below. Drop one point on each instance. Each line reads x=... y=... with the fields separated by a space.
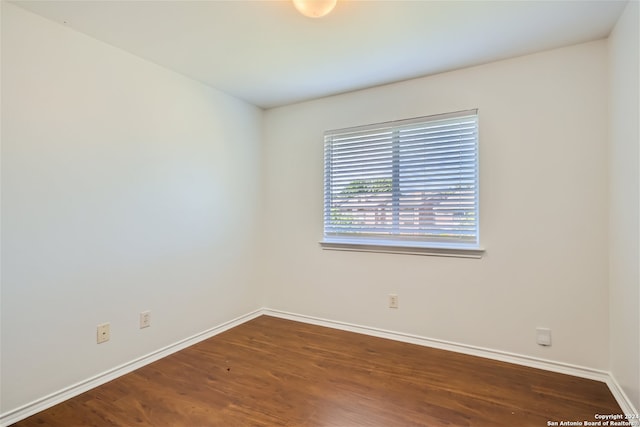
x=276 y=372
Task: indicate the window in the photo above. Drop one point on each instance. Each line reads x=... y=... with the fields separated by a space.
x=405 y=186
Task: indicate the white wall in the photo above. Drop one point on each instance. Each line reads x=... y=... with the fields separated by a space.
x=543 y=133
x=624 y=164
x=125 y=187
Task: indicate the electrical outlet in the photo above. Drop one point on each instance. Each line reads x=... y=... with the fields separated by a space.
x=104 y=332
x=543 y=336
x=145 y=319
x=393 y=301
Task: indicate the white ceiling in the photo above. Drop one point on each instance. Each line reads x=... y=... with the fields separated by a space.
x=268 y=54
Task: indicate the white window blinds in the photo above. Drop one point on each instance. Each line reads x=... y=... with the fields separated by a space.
x=409 y=183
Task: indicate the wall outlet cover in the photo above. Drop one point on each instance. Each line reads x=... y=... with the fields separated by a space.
x=393 y=301
x=103 y=333
x=145 y=319
x=543 y=336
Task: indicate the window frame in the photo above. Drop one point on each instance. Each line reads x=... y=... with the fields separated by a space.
x=394 y=242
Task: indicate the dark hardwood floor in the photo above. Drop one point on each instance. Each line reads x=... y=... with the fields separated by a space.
x=275 y=372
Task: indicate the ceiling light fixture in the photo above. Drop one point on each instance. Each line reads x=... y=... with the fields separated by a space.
x=314 y=8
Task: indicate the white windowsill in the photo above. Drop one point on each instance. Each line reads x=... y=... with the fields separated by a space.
x=400 y=248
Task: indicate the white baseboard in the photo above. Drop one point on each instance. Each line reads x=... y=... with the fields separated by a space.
x=503 y=356
x=52 y=399
x=80 y=387
x=623 y=400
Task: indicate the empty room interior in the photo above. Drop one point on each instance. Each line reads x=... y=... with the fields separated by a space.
x=244 y=213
